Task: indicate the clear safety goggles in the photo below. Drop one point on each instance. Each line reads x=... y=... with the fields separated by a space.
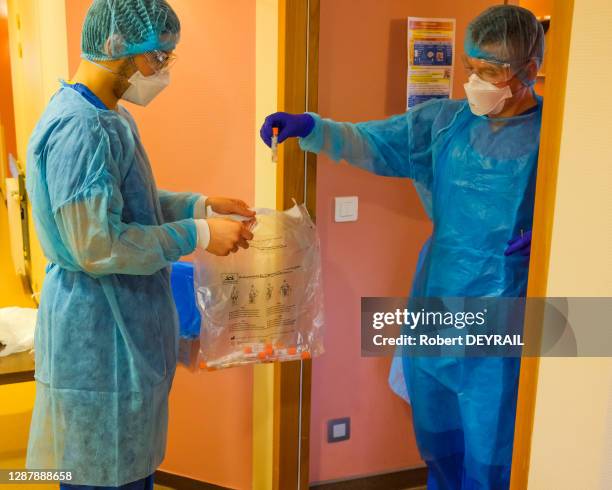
x=160 y=60
x=487 y=70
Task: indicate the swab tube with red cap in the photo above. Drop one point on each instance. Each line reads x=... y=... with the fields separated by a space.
x=274 y=144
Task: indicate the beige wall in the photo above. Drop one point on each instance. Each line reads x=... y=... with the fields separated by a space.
x=572 y=445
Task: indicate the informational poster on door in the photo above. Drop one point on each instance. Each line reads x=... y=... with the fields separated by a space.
x=431 y=49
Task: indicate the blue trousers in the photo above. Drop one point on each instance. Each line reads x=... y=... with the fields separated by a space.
x=463 y=411
x=144 y=484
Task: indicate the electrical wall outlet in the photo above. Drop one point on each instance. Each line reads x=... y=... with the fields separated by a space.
x=338 y=429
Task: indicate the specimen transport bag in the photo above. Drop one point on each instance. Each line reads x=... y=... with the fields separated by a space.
x=264 y=303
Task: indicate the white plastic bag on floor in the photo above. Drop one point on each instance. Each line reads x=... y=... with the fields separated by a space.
x=16 y=329
x=265 y=303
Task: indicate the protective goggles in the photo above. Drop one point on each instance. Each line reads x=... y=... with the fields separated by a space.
x=160 y=60
x=490 y=71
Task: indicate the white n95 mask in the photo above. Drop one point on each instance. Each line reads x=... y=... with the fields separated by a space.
x=143 y=90
x=484 y=97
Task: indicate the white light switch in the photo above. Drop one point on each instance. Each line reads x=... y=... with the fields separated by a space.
x=346 y=209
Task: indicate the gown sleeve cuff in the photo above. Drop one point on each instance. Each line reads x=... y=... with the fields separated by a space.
x=314 y=141
x=203 y=233
x=199 y=208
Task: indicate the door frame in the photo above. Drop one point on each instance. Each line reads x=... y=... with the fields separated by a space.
x=298 y=61
x=546 y=190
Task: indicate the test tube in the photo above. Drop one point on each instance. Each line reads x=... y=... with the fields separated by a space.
x=228 y=359
x=257 y=352
x=275 y=144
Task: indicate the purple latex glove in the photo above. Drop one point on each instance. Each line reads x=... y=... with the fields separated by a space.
x=289 y=126
x=521 y=244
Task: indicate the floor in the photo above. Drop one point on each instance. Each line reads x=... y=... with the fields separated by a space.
x=159 y=487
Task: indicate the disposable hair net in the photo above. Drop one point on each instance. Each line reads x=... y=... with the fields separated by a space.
x=116 y=29
x=506 y=34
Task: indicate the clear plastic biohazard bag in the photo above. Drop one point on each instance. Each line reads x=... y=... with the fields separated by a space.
x=264 y=303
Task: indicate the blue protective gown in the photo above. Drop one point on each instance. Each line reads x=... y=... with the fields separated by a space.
x=476 y=179
x=106 y=338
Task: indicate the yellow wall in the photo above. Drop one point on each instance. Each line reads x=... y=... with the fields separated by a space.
x=37 y=35
x=266 y=82
x=17 y=400
x=38 y=51
x=572 y=436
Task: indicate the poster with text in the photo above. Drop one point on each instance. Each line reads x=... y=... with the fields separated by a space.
x=431 y=49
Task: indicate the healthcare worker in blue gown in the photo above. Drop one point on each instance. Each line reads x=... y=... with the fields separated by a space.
x=473 y=163
x=107 y=333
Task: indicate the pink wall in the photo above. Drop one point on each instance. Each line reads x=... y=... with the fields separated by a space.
x=540 y=8
x=200 y=136
x=362 y=76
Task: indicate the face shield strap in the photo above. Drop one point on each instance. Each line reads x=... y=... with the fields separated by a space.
x=521 y=74
x=100 y=65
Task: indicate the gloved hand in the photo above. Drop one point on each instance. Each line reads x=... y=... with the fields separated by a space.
x=224 y=235
x=289 y=126
x=520 y=244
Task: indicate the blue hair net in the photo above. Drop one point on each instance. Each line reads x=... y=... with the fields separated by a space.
x=116 y=29
x=505 y=34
